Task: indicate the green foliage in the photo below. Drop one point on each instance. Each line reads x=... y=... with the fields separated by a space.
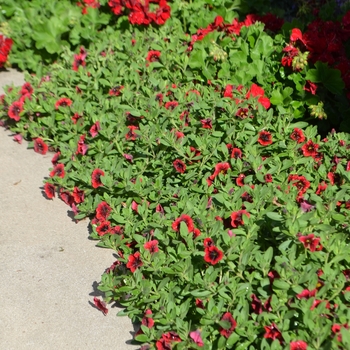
x=245 y=243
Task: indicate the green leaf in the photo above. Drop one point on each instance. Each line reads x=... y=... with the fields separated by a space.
x=329 y=77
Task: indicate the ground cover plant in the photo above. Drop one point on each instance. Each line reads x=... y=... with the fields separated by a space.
x=216 y=164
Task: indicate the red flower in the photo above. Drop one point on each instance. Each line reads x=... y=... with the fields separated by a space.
x=196 y=337
x=49 y=190
x=310 y=242
x=152 y=246
x=265 y=138
x=310 y=149
x=183 y=218
x=76 y=117
x=213 y=255
x=40 y=146
x=153 y=56
x=310 y=87
x=116 y=6
x=257 y=91
x=103 y=228
x=116 y=91
x=221 y=168
x=271 y=332
x=237 y=218
x=226 y=332
x=79 y=59
x=18 y=138
x=101 y=305
x=242 y=113
x=163 y=13
x=228 y=91
x=134 y=262
x=147 y=320
x=208 y=242
x=300 y=183
x=27 y=90
x=179 y=166
x=298 y=345
x=236 y=153
x=63 y=102
x=240 y=180
x=95 y=129
x=82 y=147
x=256 y=304
x=14 y=110
x=103 y=210
x=78 y=195
x=306 y=294
x=297 y=135
x=207 y=123
x=131 y=135
x=268 y=178
x=171 y=105
x=96 y=178
x=55 y=158
x=297 y=35
x=58 y=170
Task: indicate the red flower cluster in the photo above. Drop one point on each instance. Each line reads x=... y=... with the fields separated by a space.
x=139 y=11
x=167 y=338
x=300 y=183
x=5 y=48
x=79 y=59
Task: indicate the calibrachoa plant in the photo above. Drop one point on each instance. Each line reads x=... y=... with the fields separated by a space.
x=194 y=159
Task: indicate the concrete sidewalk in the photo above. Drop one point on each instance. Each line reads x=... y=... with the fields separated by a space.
x=49 y=268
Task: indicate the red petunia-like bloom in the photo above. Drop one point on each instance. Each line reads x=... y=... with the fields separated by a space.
x=236 y=153
x=40 y=146
x=26 y=90
x=272 y=332
x=237 y=218
x=310 y=149
x=95 y=129
x=310 y=242
x=101 y=305
x=63 y=102
x=306 y=294
x=79 y=59
x=78 y=195
x=265 y=138
x=14 y=110
x=242 y=113
x=96 y=178
x=268 y=178
x=207 y=123
x=171 y=105
x=103 y=210
x=66 y=197
x=153 y=56
x=152 y=246
x=147 y=320
x=221 y=168
x=300 y=183
x=183 y=218
x=310 y=87
x=298 y=345
x=116 y=90
x=179 y=166
x=55 y=158
x=49 y=190
x=82 y=146
x=226 y=332
x=131 y=135
x=58 y=170
x=240 y=180
x=297 y=135
x=213 y=255
x=104 y=228
x=208 y=242
x=134 y=262
x=256 y=304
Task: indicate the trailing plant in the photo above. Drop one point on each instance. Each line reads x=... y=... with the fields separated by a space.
x=194 y=158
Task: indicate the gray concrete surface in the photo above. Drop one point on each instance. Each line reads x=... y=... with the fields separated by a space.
x=49 y=268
